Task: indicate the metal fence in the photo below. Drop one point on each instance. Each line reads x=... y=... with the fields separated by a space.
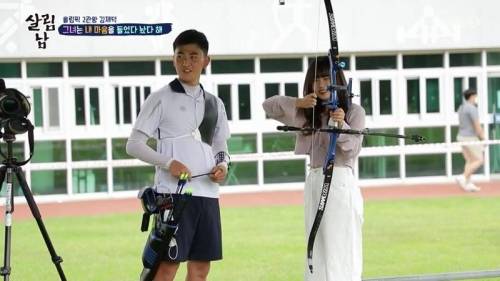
x=442 y=276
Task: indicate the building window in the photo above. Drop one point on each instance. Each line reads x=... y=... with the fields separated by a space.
x=472 y=83
x=373 y=141
x=460 y=84
x=376 y=62
x=232 y=66
x=277 y=142
x=425 y=165
x=494 y=94
x=167 y=67
x=422 y=61
x=454 y=133
x=242 y=144
x=87 y=106
x=48 y=182
x=129 y=68
x=493 y=58
x=224 y=93
x=44 y=69
x=38 y=107
x=465 y=59
x=85 y=69
x=10 y=70
x=245 y=109
x=457 y=165
x=343 y=60
x=431 y=134
x=242 y=173
x=495 y=158
x=366 y=96
x=432 y=94
x=49 y=151
x=128 y=102
x=376 y=167
x=123 y=107
x=292 y=90
x=90 y=180
x=132 y=178
x=281 y=65
x=275 y=171
x=17 y=150
x=413 y=95
x=494 y=148
x=79 y=106
x=88 y=150
x=271 y=89
x=118 y=147
x=53 y=107
x=46 y=107
x=385 y=97
x=141 y=94
x=457 y=91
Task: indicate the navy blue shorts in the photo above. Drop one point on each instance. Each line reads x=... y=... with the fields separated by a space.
x=199 y=235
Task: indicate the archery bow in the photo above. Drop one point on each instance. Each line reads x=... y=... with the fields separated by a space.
x=332 y=104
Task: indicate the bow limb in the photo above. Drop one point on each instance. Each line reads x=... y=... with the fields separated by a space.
x=332 y=104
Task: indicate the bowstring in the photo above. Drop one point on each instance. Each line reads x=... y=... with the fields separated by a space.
x=314 y=82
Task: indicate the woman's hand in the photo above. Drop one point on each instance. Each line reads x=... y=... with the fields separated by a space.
x=308 y=101
x=338 y=116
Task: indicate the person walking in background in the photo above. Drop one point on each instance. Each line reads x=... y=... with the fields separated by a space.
x=338 y=248
x=470 y=130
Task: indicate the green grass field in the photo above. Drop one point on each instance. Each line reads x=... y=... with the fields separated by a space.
x=264 y=244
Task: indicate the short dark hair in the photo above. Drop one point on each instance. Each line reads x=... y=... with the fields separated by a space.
x=469 y=93
x=192 y=36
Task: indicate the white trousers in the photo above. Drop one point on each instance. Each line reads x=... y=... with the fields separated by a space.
x=337 y=254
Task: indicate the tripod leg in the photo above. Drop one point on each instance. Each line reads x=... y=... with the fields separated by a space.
x=9 y=209
x=57 y=260
x=3 y=169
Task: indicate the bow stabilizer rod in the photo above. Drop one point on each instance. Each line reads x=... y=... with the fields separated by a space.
x=365 y=132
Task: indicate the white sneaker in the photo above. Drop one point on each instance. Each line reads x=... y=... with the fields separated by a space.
x=461 y=182
x=472 y=187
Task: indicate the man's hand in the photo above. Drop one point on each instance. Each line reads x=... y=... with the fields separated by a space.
x=176 y=168
x=308 y=101
x=218 y=173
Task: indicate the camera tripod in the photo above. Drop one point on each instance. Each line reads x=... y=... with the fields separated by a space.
x=7 y=170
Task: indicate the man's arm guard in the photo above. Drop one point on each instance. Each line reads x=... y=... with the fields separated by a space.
x=222 y=156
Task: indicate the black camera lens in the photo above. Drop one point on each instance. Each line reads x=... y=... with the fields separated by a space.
x=14 y=108
x=13 y=104
x=9 y=106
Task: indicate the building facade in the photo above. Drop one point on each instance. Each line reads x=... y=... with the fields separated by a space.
x=409 y=65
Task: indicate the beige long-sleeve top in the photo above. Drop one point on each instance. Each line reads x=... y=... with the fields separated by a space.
x=283 y=109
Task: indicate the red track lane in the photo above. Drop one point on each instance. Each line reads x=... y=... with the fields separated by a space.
x=271 y=198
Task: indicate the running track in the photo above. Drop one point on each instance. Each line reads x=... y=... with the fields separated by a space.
x=271 y=198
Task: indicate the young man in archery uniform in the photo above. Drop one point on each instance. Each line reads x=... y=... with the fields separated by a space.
x=191 y=129
x=338 y=248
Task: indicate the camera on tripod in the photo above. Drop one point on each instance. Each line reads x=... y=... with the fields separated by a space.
x=14 y=108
